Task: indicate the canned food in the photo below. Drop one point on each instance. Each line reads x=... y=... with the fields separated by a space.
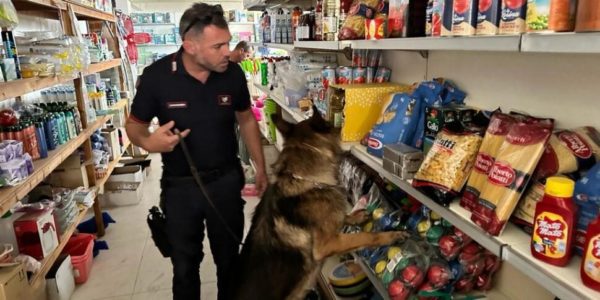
x=328 y=77
x=344 y=75
x=383 y=75
x=370 y=74
x=359 y=75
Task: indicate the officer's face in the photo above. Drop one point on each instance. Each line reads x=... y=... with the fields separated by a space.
x=210 y=49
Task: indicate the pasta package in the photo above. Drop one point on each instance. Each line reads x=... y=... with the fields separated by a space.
x=510 y=173
x=447 y=165
x=495 y=135
x=569 y=151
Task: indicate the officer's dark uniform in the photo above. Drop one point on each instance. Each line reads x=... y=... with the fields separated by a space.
x=168 y=92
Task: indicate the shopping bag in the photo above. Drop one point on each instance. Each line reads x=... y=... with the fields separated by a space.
x=158 y=228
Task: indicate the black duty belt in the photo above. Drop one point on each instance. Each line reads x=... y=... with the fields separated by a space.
x=206 y=176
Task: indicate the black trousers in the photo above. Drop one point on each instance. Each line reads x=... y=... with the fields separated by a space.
x=186 y=210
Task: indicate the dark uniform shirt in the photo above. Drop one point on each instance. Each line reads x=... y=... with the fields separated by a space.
x=208 y=109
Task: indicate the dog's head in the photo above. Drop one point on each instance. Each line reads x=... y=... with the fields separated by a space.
x=311 y=149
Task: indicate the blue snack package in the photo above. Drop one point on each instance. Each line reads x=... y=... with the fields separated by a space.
x=452 y=94
x=430 y=92
x=397 y=124
x=587 y=198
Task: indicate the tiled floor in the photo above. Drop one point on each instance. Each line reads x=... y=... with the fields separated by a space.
x=133 y=269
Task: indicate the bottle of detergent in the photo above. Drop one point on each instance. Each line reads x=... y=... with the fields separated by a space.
x=590 y=264
x=553 y=222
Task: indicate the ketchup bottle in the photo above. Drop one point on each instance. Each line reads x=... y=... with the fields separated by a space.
x=590 y=264
x=553 y=222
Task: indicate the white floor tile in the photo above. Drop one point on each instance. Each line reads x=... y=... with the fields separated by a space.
x=208 y=291
x=155 y=272
x=155 y=295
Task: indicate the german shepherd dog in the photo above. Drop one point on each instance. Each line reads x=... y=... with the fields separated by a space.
x=298 y=222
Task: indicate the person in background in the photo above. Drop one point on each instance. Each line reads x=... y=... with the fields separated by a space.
x=240 y=52
x=200 y=93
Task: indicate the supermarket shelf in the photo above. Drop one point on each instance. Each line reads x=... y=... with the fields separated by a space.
x=512 y=245
x=43 y=167
x=153 y=24
x=81 y=11
x=323 y=45
x=561 y=42
x=122 y=103
x=456 y=215
x=475 y=43
x=241 y=23
x=102 y=66
x=372 y=277
x=111 y=166
x=287 y=47
x=49 y=260
x=294 y=112
x=20 y=87
x=564 y=282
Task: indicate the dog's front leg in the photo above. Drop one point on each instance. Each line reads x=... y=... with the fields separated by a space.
x=342 y=242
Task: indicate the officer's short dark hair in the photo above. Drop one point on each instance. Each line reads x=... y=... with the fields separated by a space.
x=242 y=45
x=201 y=15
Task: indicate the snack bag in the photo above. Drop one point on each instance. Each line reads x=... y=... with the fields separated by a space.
x=495 y=135
x=446 y=167
x=510 y=173
x=354 y=25
x=397 y=124
x=587 y=198
x=569 y=151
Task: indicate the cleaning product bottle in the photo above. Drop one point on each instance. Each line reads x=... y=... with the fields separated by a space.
x=590 y=264
x=553 y=222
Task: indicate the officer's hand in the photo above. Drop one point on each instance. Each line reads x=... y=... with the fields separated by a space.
x=163 y=139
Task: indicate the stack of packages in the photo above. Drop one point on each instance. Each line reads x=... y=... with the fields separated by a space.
x=438 y=260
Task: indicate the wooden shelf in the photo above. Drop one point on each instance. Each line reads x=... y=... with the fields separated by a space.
x=48 y=261
x=122 y=103
x=111 y=166
x=20 y=87
x=52 y=6
x=102 y=66
x=43 y=167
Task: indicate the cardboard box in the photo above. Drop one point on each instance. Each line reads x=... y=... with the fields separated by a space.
x=112 y=138
x=408 y=158
x=122 y=194
x=36 y=234
x=72 y=161
x=60 y=282
x=127 y=174
x=14 y=283
x=398 y=170
x=69 y=178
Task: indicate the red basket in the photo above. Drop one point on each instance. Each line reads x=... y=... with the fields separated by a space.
x=81 y=249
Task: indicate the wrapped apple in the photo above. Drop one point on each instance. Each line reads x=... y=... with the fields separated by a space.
x=439 y=273
x=449 y=246
x=398 y=290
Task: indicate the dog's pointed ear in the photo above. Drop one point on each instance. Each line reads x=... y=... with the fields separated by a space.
x=282 y=125
x=317 y=123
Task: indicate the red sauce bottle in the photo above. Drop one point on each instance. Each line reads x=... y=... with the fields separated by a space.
x=553 y=222
x=590 y=263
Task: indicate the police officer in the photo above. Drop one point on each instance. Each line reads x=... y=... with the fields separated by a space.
x=200 y=93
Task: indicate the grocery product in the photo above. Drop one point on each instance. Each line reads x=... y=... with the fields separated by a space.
x=588 y=16
x=395 y=125
x=513 y=17
x=569 y=151
x=554 y=222
x=495 y=135
x=407 y=18
x=589 y=270
x=447 y=18
x=344 y=75
x=8 y=14
x=447 y=165
x=538 y=14
x=376 y=29
x=525 y=211
x=464 y=17
x=429 y=18
x=562 y=15
x=437 y=11
x=510 y=173
x=488 y=17
x=353 y=26
x=587 y=198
